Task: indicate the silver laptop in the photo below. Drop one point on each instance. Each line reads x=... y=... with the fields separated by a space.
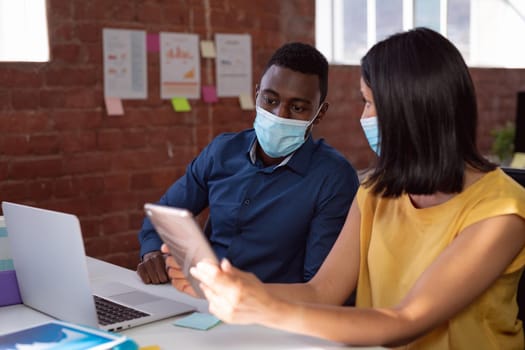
x=50 y=263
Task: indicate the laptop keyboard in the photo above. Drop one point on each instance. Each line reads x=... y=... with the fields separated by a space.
x=110 y=312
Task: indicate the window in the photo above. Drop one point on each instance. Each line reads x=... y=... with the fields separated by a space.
x=388 y=18
x=23 y=31
x=487 y=32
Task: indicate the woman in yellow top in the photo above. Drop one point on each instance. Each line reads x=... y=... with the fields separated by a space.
x=434 y=241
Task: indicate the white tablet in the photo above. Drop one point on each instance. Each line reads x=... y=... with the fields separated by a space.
x=183 y=236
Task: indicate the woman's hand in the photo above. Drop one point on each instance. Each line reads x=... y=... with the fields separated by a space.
x=235 y=296
x=175 y=274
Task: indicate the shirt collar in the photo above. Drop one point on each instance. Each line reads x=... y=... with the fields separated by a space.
x=299 y=161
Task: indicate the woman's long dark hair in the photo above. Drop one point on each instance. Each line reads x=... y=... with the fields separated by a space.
x=427 y=114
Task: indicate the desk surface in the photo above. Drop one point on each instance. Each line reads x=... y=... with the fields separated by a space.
x=164 y=333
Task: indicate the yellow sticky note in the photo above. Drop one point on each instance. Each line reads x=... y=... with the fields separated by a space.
x=518 y=161
x=150 y=347
x=207 y=49
x=246 y=101
x=180 y=104
x=114 y=106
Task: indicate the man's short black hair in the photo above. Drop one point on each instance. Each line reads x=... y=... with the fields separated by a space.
x=304 y=58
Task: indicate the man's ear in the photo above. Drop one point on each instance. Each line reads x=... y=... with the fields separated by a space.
x=322 y=111
x=256 y=91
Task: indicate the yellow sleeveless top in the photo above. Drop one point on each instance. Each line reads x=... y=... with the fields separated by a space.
x=398 y=242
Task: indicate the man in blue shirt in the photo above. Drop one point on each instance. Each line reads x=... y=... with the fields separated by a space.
x=277 y=199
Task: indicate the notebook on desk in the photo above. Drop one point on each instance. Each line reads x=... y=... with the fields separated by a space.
x=50 y=263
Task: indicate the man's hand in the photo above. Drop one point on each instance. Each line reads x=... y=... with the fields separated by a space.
x=178 y=280
x=152 y=269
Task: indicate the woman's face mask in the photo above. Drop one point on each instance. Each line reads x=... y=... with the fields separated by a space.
x=278 y=136
x=371 y=129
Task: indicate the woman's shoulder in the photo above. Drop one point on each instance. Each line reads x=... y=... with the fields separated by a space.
x=498 y=183
x=495 y=193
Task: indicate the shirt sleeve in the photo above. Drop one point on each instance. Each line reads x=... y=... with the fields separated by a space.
x=189 y=192
x=338 y=193
x=497 y=207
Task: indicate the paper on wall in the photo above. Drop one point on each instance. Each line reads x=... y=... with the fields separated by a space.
x=179 y=65
x=125 y=70
x=233 y=64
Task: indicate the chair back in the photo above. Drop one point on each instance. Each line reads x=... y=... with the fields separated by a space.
x=519 y=176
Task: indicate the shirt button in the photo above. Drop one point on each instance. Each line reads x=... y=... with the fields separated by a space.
x=246 y=202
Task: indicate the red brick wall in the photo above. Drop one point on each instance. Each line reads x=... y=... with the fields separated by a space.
x=59 y=149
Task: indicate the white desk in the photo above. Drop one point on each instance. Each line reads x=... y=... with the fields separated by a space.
x=164 y=333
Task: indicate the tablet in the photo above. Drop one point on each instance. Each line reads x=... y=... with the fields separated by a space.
x=183 y=236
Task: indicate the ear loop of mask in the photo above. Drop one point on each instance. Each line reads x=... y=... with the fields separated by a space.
x=308 y=129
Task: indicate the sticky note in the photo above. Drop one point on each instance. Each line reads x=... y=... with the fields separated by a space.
x=153 y=42
x=246 y=102
x=198 y=320
x=180 y=104
x=207 y=49
x=114 y=106
x=209 y=94
x=518 y=160
x=150 y=347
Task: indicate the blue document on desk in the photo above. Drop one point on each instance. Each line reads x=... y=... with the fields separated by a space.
x=60 y=335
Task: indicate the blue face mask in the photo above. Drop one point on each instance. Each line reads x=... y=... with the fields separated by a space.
x=278 y=136
x=371 y=129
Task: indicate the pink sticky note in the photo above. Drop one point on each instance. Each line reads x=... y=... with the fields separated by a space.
x=209 y=94
x=152 y=40
x=114 y=106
